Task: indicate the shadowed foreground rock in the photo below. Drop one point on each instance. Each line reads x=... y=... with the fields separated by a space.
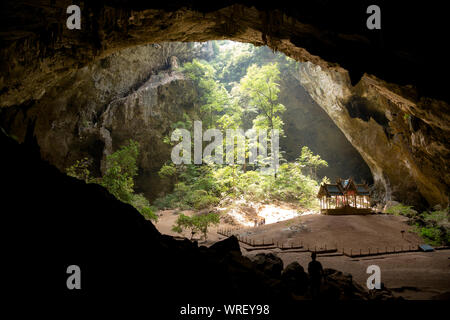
x=54 y=221
x=295 y=278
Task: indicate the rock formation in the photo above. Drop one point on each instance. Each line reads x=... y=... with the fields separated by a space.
x=406 y=148
x=307 y=124
x=54 y=221
x=42 y=55
x=133 y=94
x=102 y=111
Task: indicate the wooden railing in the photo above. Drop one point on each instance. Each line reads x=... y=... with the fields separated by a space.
x=254 y=244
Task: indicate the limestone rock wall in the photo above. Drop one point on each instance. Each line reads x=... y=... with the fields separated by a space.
x=39 y=58
x=307 y=124
x=408 y=156
x=133 y=94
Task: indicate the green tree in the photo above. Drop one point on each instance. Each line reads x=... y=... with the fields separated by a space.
x=213 y=97
x=121 y=168
x=261 y=85
x=311 y=161
x=196 y=224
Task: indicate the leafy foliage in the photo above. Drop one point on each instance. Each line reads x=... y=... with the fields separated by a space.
x=140 y=202
x=118 y=178
x=196 y=224
x=436 y=230
x=240 y=85
x=80 y=170
x=121 y=170
x=401 y=209
x=196 y=189
x=167 y=170
x=214 y=98
x=309 y=160
x=203 y=186
x=261 y=85
x=433 y=226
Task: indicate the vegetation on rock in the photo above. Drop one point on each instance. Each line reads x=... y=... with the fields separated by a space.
x=432 y=226
x=121 y=169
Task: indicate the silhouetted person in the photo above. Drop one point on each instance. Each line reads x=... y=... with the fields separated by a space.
x=315 y=271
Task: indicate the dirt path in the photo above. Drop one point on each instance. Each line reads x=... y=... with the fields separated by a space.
x=351 y=233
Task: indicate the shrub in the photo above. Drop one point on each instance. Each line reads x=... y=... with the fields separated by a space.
x=401 y=209
x=121 y=170
x=143 y=206
x=118 y=178
x=203 y=186
x=433 y=227
x=80 y=170
x=200 y=199
x=167 y=170
x=437 y=227
x=149 y=213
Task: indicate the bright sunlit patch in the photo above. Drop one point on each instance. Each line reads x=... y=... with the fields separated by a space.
x=309 y=212
x=273 y=214
x=240 y=217
x=270 y=212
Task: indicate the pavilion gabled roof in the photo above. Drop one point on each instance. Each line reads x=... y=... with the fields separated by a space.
x=341 y=187
x=347 y=184
x=334 y=189
x=362 y=189
x=330 y=190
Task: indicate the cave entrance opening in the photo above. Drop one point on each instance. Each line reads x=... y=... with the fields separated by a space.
x=144 y=93
x=238 y=85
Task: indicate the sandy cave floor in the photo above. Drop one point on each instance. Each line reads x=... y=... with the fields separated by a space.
x=413 y=275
